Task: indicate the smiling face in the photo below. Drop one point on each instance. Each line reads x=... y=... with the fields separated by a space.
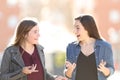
x=33 y=35
x=80 y=31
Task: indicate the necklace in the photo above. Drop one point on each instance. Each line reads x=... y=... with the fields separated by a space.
x=88 y=48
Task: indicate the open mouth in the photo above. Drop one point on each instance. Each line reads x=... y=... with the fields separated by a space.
x=78 y=35
x=35 y=39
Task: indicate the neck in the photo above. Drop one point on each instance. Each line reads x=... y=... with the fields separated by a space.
x=88 y=41
x=27 y=46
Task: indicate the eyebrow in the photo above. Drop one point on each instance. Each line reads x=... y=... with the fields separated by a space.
x=76 y=25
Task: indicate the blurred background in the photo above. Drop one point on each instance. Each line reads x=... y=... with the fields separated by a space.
x=56 y=23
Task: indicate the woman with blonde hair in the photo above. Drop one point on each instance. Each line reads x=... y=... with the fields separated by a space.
x=24 y=60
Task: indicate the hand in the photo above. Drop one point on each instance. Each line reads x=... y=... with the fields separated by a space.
x=102 y=68
x=30 y=69
x=70 y=67
x=61 y=78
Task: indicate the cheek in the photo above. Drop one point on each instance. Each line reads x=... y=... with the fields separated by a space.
x=30 y=38
x=77 y=32
x=80 y=32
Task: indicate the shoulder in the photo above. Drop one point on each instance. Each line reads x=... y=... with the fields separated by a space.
x=103 y=43
x=73 y=44
x=39 y=46
x=11 y=48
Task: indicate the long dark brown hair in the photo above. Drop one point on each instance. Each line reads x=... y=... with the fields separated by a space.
x=89 y=24
x=22 y=30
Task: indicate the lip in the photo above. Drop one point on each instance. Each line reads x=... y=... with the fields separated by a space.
x=78 y=35
x=35 y=39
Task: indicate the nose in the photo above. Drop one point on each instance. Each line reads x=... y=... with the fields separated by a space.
x=75 y=31
x=38 y=35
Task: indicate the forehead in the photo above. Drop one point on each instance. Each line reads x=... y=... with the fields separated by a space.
x=35 y=28
x=77 y=23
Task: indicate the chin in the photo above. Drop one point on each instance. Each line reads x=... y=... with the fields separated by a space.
x=35 y=43
x=78 y=39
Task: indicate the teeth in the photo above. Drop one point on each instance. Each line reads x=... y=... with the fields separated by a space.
x=78 y=35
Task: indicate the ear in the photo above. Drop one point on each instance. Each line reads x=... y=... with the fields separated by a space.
x=25 y=36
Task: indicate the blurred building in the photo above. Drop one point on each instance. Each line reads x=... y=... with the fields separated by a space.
x=108 y=16
x=9 y=14
x=57 y=16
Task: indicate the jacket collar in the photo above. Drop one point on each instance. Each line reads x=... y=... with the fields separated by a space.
x=41 y=54
x=18 y=57
x=97 y=43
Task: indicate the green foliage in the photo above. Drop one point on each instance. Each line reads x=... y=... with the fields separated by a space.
x=59 y=59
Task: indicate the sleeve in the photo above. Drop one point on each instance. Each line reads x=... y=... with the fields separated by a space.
x=109 y=59
x=70 y=56
x=5 y=73
x=49 y=76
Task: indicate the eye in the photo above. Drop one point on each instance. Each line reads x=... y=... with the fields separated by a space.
x=77 y=28
x=36 y=31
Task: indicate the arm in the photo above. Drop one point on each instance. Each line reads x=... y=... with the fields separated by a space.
x=107 y=66
x=69 y=64
x=54 y=77
x=69 y=69
x=49 y=76
x=6 y=65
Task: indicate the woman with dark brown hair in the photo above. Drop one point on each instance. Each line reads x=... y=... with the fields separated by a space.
x=24 y=60
x=90 y=57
